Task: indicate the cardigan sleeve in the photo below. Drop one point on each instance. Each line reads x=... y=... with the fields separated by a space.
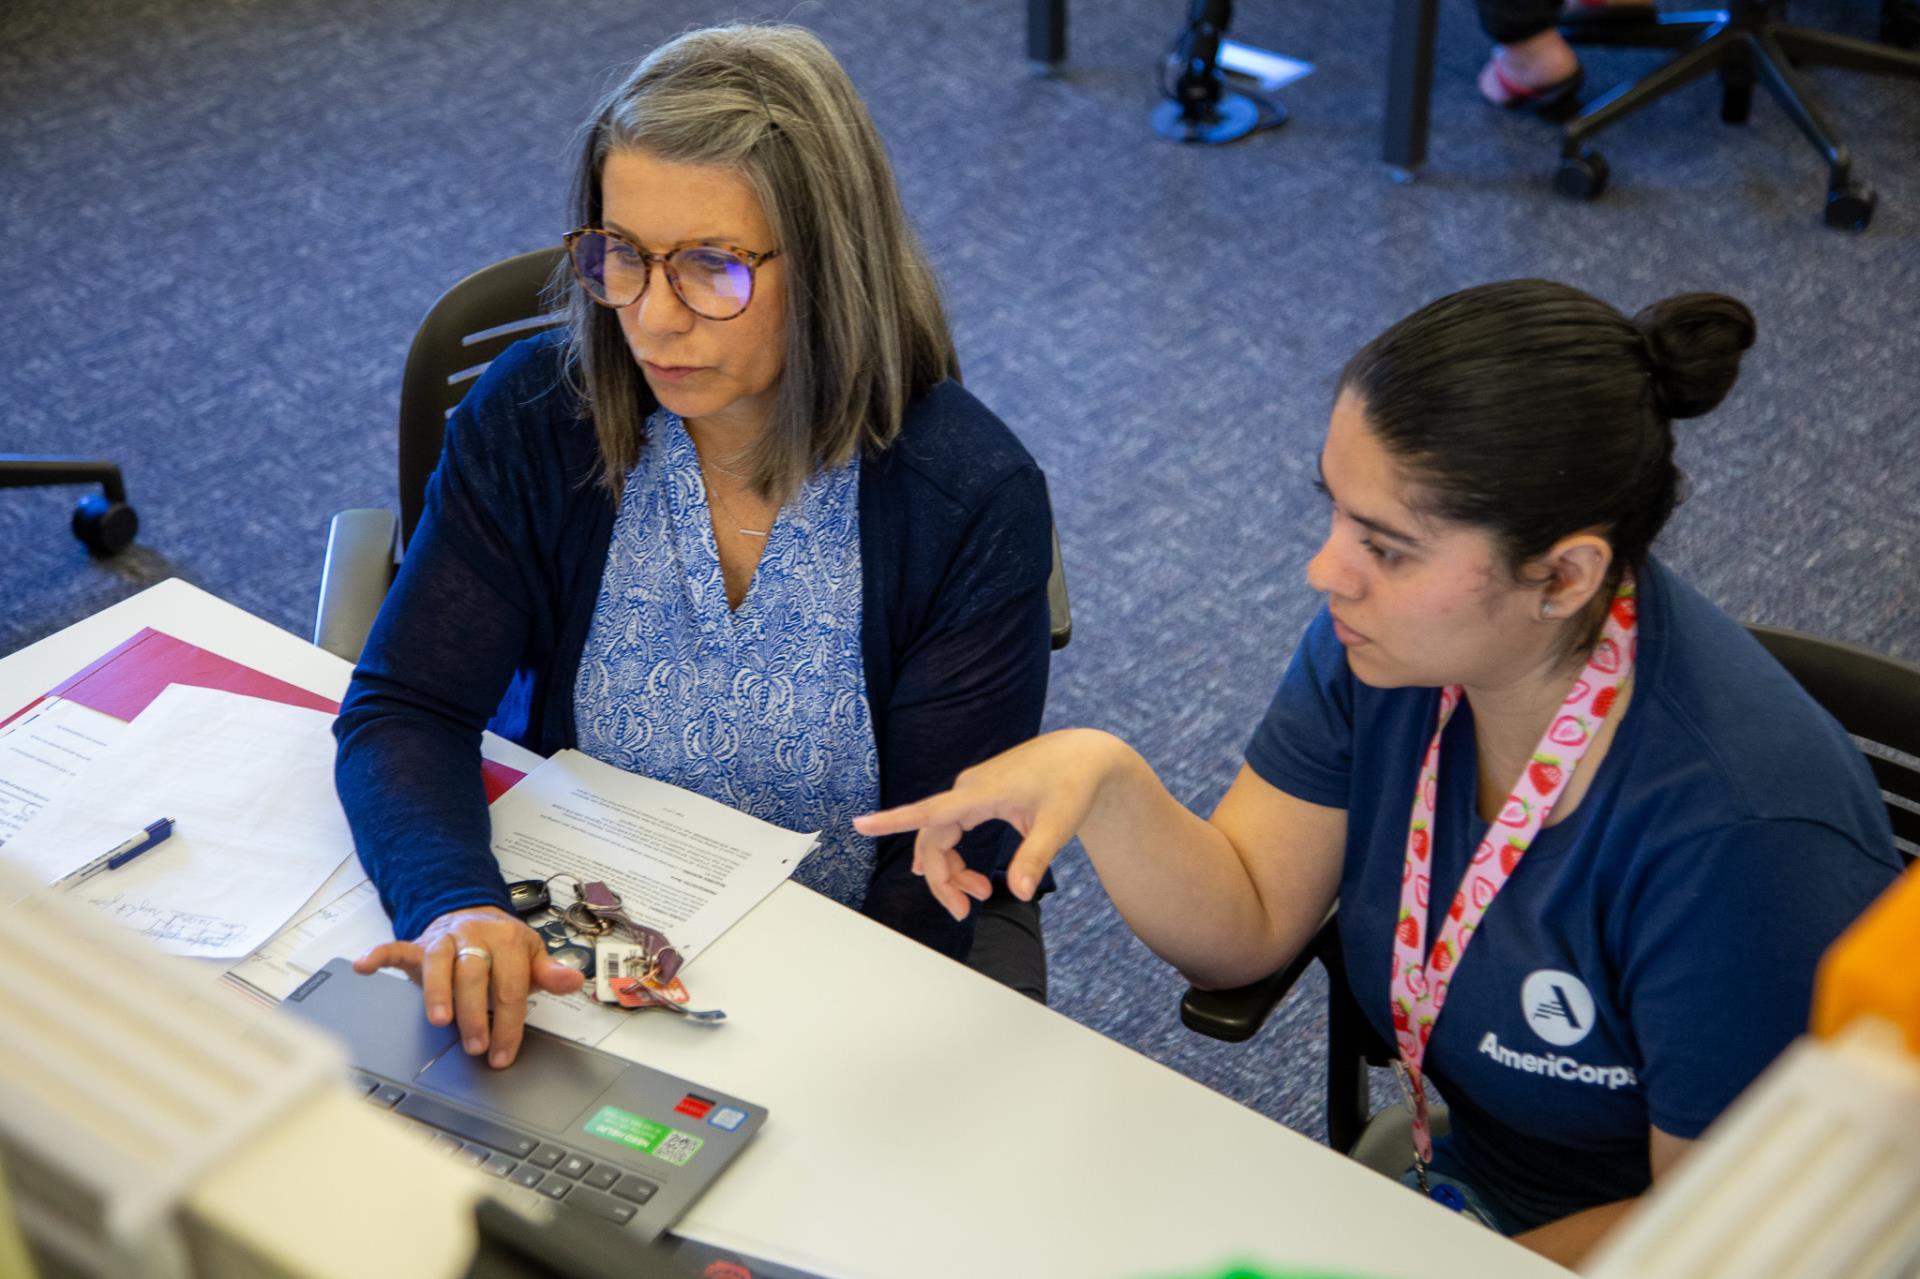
x=440 y=656
x=972 y=683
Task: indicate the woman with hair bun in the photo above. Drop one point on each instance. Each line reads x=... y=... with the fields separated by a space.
x=735 y=526
x=1558 y=796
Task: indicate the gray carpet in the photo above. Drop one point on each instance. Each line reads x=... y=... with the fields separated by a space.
x=220 y=222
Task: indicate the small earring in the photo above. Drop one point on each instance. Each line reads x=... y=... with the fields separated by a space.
x=1546 y=609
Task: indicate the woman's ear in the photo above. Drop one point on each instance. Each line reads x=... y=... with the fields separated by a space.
x=1572 y=573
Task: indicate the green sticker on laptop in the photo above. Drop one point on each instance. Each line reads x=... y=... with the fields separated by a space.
x=644 y=1135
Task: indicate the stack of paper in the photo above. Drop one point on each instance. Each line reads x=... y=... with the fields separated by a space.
x=42 y=751
x=681 y=863
x=249 y=784
x=244 y=765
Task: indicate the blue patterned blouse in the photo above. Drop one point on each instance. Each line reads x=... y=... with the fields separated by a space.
x=764 y=708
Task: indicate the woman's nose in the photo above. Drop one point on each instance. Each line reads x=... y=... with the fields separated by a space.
x=661 y=310
x=1327 y=575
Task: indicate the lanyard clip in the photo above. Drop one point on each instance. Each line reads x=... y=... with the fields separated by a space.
x=1413 y=1091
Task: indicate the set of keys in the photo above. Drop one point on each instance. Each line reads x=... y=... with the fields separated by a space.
x=630 y=964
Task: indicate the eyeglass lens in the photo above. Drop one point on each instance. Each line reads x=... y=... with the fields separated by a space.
x=712 y=282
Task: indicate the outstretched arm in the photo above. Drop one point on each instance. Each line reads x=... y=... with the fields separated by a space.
x=1225 y=900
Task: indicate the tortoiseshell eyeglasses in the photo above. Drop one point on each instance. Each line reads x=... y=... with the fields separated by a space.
x=715 y=281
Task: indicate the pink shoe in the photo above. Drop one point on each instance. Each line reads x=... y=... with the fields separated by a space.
x=1557 y=101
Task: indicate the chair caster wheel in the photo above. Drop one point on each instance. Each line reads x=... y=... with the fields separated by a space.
x=1850 y=208
x=107 y=527
x=1581 y=177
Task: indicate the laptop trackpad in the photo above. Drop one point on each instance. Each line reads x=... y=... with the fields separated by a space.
x=549 y=1083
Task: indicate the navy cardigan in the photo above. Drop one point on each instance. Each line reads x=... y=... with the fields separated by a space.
x=486 y=620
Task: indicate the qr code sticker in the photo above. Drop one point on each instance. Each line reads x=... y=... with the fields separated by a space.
x=677 y=1147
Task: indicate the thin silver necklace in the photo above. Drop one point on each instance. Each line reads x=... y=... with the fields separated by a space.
x=713 y=492
x=726 y=508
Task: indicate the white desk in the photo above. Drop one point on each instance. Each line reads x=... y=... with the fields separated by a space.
x=926 y=1121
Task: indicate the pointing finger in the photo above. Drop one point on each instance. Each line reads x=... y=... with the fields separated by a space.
x=948 y=808
x=892 y=821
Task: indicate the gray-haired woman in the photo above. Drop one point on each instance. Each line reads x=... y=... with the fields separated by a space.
x=736 y=527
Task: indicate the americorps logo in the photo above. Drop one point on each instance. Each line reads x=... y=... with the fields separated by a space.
x=1555 y=1066
x=1558 y=1006
x=1559 y=1009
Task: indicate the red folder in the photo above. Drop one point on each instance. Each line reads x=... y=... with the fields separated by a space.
x=126 y=680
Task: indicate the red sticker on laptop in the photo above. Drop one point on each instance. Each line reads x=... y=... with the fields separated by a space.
x=697 y=1107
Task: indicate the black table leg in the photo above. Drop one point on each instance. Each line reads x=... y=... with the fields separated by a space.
x=1409 y=85
x=1046 y=32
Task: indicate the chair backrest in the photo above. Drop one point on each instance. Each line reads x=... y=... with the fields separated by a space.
x=473 y=322
x=476 y=320
x=1877 y=699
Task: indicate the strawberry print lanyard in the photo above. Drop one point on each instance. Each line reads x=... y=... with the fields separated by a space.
x=1420 y=988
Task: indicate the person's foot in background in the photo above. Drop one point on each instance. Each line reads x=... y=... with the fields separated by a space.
x=1539 y=74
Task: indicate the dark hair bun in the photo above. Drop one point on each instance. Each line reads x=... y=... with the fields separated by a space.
x=1695 y=341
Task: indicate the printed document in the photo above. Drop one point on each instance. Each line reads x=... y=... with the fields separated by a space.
x=258 y=828
x=344 y=916
x=43 y=751
x=334 y=921
x=682 y=863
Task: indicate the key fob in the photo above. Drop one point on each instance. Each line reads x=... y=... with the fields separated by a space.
x=528 y=896
x=572 y=955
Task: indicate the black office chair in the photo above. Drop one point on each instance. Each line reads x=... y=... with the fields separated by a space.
x=1746 y=41
x=1875 y=698
x=473 y=322
x=102 y=520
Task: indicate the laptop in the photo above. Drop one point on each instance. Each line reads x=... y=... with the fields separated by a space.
x=566 y=1127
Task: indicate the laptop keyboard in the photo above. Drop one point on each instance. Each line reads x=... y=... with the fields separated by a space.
x=534 y=1166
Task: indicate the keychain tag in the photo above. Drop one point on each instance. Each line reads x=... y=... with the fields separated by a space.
x=614 y=959
x=601 y=904
x=672 y=992
x=642 y=992
x=630 y=964
x=624 y=974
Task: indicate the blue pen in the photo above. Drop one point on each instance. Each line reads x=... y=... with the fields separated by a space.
x=114 y=858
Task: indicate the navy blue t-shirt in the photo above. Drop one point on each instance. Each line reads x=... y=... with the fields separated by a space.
x=1655 y=950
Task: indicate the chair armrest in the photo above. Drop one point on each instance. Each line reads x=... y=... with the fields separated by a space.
x=1236 y=1015
x=358 y=570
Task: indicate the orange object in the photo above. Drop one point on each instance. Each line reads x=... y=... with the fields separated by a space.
x=1874 y=968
